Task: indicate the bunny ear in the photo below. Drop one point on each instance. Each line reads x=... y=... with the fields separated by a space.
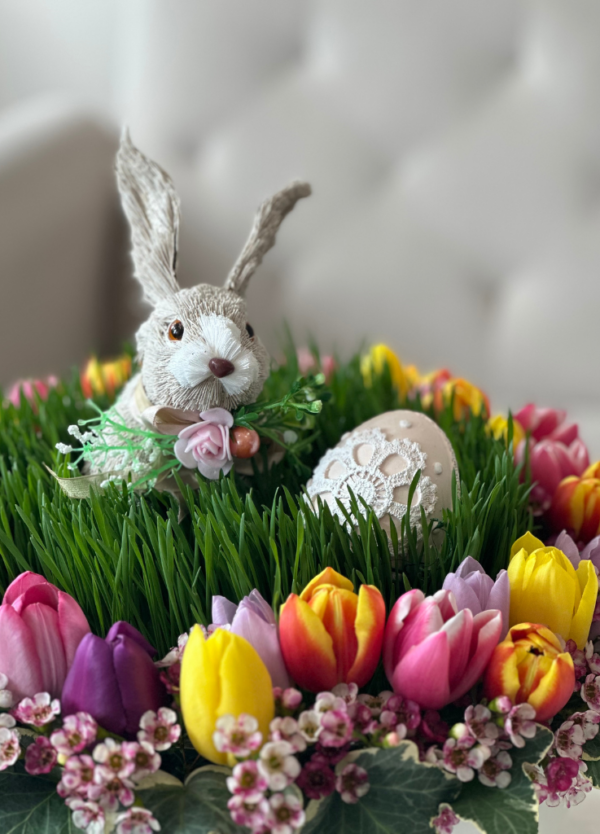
x=152 y=208
x=262 y=237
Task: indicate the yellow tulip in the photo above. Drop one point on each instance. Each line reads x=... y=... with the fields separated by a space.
x=545 y=588
x=222 y=675
x=498 y=427
x=375 y=361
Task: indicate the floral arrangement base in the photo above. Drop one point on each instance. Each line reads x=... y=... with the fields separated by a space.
x=228 y=656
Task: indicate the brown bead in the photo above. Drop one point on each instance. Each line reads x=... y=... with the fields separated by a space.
x=244 y=443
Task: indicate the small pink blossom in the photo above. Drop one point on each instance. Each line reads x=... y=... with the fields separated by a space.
x=87 y=815
x=6 y=697
x=562 y=783
x=569 y=740
x=590 y=692
x=143 y=757
x=136 y=821
x=278 y=765
x=9 y=747
x=502 y=704
x=352 y=783
x=329 y=755
x=77 y=732
x=170 y=665
x=588 y=721
x=347 y=691
x=394 y=738
x=362 y=717
x=479 y=722
x=337 y=728
x=247 y=779
x=77 y=777
x=494 y=771
x=285 y=813
x=375 y=702
x=580 y=663
x=40 y=756
x=593 y=660
x=239 y=736
x=519 y=724
x=39 y=710
x=287 y=701
x=407 y=712
x=249 y=810
x=462 y=759
x=446 y=820
x=112 y=760
x=112 y=791
x=432 y=726
x=160 y=729
x=286 y=729
x=309 y=725
x=327 y=701
x=205 y=445
x=316 y=780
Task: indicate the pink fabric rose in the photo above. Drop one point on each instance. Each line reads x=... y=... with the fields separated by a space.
x=205 y=445
x=555 y=450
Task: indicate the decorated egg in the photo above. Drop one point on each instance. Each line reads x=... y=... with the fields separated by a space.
x=378 y=461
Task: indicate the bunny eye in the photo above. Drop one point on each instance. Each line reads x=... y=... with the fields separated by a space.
x=250 y=330
x=176 y=331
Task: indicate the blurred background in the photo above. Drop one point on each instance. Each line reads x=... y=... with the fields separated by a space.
x=453 y=147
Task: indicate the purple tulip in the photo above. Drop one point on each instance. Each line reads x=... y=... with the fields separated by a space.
x=591 y=551
x=475 y=590
x=254 y=620
x=114 y=680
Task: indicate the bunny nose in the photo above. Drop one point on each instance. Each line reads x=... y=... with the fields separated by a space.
x=221 y=367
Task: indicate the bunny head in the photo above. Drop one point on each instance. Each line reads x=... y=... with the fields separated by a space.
x=197 y=349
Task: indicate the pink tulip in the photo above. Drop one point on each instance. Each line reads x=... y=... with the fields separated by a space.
x=433 y=654
x=555 y=450
x=40 y=629
x=28 y=388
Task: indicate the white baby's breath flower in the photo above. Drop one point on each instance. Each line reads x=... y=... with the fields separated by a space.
x=64 y=448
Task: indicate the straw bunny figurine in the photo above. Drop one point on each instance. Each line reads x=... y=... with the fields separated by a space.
x=197 y=350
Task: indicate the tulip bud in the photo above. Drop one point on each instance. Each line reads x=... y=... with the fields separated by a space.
x=593 y=470
x=331 y=635
x=576 y=507
x=114 y=680
x=546 y=588
x=466 y=399
x=531 y=667
x=222 y=675
x=376 y=360
x=40 y=630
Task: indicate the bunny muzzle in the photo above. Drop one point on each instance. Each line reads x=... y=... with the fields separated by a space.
x=218 y=353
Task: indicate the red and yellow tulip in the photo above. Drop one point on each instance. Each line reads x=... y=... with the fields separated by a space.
x=105 y=377
x=375 y=361
x=576 y=506
x=530 y=666
x=331 y=635
x=465 y=397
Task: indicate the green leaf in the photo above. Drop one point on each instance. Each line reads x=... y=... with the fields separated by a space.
x=30 y=804
x=591 y=749
x=404 y=796
x=593 y=772
x=512 y=810
x=198 y=807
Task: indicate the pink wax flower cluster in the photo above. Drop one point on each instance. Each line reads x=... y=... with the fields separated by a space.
x=555 y=451
x=205 y=445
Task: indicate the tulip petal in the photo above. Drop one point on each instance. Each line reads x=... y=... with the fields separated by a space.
x=499 y=600
x=306 y=646
x=422 y=673
x=123 y=629
x=502 y=676
x=400 y=611
x=18 y=586
x=336 y=608
x=543 y=589
x=527 y=542
x=327 y=577
x=582 y=619
x=138 y=680
x=42 y=593
x=223 y=611
x=554 y=689
x=91 y=685
x=487 y=628
x=467 y=566
x=42 y=622
x=464 y=594
x=18 y=655
x=264 y=638
x=459 y=630
x=425 y=620
x=369 y=627
x=72 y=624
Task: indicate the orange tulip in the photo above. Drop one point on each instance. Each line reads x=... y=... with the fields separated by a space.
x=530 y=666
x=576 y=507
x=331 y=635
x=466 y=398
x=105 y=377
